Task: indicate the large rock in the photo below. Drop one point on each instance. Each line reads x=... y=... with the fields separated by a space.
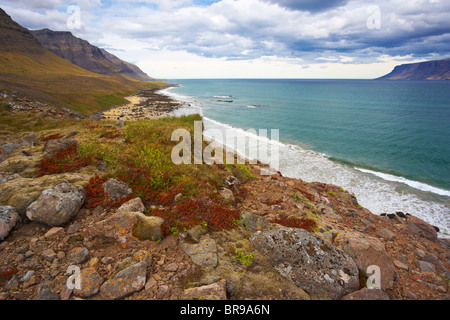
x=56 y=207
x=126 y=282
x=133 y=205
x=144 y=227
x=116 y=189
x=90 y=282
x=203 y=253
x=308 y=261
x=9 y=218
x=421 y=227
x=53 y=147
x=126 y=228
x=368 y=251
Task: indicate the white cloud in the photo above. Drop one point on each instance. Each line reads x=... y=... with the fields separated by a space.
x=243 y=33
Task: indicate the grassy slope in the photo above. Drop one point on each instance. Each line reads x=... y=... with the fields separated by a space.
x=48 y=78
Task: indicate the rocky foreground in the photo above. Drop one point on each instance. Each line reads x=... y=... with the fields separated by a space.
x=53 y=246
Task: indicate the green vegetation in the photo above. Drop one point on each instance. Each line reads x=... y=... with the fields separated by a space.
x=245 y=259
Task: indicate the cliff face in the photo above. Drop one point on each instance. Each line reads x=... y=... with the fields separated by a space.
x=429 y=70
x=81 y=53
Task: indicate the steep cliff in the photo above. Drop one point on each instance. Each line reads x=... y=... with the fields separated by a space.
x=429 y=70
x=81 y=53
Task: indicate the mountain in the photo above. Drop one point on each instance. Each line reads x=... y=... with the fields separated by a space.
x=429 y=70
x=27 y=67
x=81 y=53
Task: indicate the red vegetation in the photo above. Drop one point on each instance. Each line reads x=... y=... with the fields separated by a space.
x=293 y=222
x=66 y=160
x=51 y=137
x=6 y=274
x=195 y=211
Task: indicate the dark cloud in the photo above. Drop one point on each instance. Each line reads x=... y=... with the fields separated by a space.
x=309 y=5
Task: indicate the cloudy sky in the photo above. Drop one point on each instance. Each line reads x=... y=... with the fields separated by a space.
x=252 y=38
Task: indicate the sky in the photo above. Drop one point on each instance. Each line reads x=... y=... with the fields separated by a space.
x=176 y=39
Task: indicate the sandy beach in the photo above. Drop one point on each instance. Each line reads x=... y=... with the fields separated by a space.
x=146 y=104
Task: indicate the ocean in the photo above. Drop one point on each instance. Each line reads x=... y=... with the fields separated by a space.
x=387 y=142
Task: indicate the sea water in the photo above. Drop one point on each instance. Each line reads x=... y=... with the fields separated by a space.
x=387 y=142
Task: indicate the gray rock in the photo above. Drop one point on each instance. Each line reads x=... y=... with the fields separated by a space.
x=52 y=147
x=78 y=255
x=426 y=267
x=126 y=282
x=227 y=195
x=56 y=207
x=13 y=283
x=90 y=283
x=253 y=222
x=27 y=276
x=9 y=219
x=386 y=234
x=203 y=253
x=134 y=205
x=49 y=255
x=116 y=189
x=308 y=261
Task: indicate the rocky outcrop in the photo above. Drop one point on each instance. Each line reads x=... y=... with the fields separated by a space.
x=308 y=261
x=57 y=206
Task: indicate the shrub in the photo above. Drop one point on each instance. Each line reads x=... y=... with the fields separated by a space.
x=197 y=211
x=293 y=222
x=66 y=160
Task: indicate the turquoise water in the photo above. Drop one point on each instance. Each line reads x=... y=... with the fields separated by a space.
x=385 y=141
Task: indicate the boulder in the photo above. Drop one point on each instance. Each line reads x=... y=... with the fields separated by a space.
x=144 y=227
x=368 y=251
x=126 y=282
x=78 y=255
x=116 y=189
x=90 y=282
x=9 y=219
x=416 y=225
x=134 y=205
x=308 y=261
x=203 y=253
x=56 y=207
x=53 y=147
x=227 y=195
x=253 y=222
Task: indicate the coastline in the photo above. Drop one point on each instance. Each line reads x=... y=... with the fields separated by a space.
x=144 y=105
x=377 y=191
x=235 y=262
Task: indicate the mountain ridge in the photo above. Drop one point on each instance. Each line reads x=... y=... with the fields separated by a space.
x=85 y=55
x=29 y=68
x=428 y=70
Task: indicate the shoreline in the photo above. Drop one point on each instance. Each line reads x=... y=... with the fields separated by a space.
x=146 y=104
x=418 y=202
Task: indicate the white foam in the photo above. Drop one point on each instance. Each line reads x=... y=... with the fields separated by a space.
x=414 y=184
